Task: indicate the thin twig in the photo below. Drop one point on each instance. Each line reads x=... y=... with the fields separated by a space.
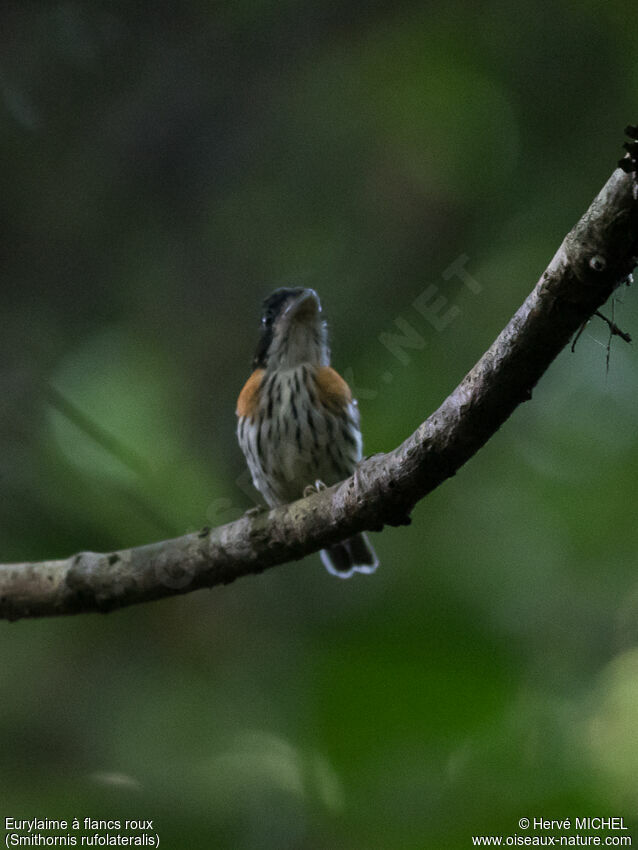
x=613 y=327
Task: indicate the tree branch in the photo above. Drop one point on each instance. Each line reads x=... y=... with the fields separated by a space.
x=594 y=258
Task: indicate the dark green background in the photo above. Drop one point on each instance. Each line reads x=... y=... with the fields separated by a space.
x=164 y=167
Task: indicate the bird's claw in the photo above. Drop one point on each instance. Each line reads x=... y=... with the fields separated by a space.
x=317 y=487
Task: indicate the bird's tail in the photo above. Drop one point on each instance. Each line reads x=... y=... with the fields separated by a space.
x=354 y=555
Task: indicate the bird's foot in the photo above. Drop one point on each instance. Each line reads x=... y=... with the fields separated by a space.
x=317 y=487
x=255 y=510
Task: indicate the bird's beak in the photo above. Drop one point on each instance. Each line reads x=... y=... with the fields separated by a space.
x=305 y=307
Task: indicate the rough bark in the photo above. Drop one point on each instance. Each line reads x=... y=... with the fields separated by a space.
x=595 y=257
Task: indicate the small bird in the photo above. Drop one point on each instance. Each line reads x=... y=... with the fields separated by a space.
x=298 y=425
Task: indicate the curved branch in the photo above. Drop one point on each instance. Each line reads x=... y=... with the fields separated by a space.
x=594 y=258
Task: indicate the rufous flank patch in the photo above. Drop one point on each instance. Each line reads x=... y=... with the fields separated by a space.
x=248 y=400
x=333 y=390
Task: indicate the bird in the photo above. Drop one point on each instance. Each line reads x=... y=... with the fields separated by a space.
x=297 y=422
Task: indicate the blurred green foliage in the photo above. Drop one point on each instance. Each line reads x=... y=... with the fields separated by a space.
x=165 y=167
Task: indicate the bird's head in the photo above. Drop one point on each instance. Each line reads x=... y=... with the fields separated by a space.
x=292 y=331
